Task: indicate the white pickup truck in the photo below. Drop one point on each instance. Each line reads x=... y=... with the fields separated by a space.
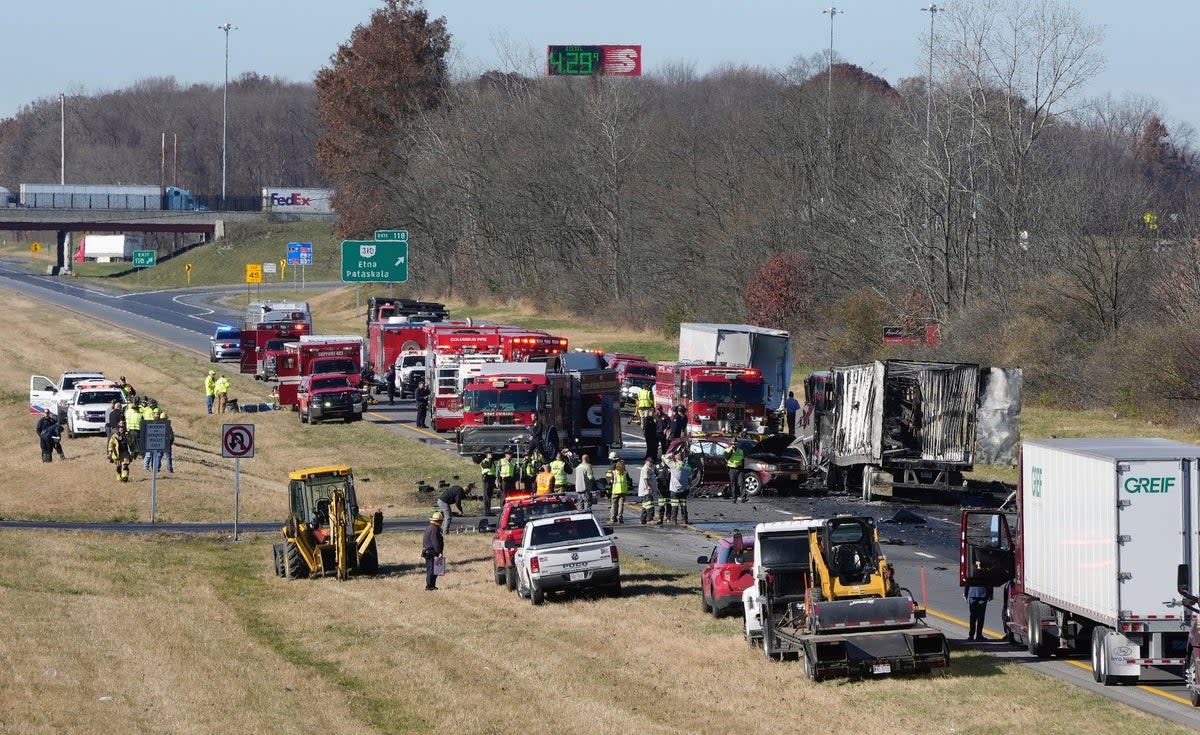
x=45 y=393
x=566 y=552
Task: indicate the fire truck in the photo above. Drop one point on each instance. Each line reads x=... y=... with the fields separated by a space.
x=718 y=399
x=266 y=328
x=397 y=325
x=576 y=406
x=456 y=352
x=324 y=355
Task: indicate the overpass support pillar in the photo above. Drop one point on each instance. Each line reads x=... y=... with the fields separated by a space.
x=62 y=254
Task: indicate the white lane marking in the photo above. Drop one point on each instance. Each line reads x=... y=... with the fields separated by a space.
x=947 y=520
x=922 y=553
x=785 y=512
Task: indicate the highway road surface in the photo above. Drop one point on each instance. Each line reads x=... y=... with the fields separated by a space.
x=925 y=554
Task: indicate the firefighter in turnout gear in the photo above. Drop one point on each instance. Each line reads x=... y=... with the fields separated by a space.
x=133 y=426
x=681 y=477
x=647 y=491
x=487 y=471
x=119 y=453
x=507 y=470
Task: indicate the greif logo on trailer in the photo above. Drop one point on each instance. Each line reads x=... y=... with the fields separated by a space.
x=1148 y=485
x=1036 y=474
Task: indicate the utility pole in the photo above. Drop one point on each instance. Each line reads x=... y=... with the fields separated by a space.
x=830 y=11
x=227 y=27
x=933 y=10
x=62 y=138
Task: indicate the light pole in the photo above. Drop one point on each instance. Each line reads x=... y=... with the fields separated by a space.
x=933 y=10
x=62 y=138
x=830 y=11
x=227 y=27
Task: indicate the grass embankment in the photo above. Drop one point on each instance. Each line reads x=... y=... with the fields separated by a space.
x=84 y=487
x=166 y=634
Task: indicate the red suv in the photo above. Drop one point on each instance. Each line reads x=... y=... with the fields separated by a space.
x=511 y=527
x=728 y=571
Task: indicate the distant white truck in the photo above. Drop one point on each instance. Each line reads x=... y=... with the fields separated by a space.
x=566 y=552
x=56 y=395
x=742 y=345
x=109 y=248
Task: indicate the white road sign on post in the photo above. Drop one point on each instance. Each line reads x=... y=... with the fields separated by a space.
x=237 y=441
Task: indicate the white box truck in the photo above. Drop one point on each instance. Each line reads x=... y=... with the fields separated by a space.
x=742 y=345
x=107 y=248
x=1090 y=559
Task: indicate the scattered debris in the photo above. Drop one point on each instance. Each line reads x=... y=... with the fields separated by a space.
x=903 y=516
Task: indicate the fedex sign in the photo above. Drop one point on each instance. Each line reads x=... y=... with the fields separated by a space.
x=297 y=199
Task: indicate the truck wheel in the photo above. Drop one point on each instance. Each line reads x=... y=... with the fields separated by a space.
x=868 y=484
x=1037 y=642
x=1189 y=678
x=536 y=596
x=368 y=561
x=810 y=668
x=303 y=416
x=768 y=643
x=510 y=578
x=1098 y=652
x=614 y=589
x=498 y=573
x=293 y=563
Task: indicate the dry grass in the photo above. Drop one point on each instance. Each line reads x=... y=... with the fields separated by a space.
x=201 y=489
x=159 y=634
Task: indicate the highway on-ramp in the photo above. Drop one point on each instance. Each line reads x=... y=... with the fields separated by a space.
x=925 y=554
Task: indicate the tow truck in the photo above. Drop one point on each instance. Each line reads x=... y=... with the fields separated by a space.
x=717 y=399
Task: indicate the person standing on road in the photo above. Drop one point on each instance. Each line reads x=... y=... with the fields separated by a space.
x=681 y=476
x=790 y=407
x=452 y=495
x=585 y=483
x=421 y=394
x=544 y=483
x=735 y=459
x=678 y=423
x=977 y=600
x=210 y=389
x=647 y=491
x=650 y=435
x=619 y=487
x=487 y=471
x=645 y=405
x=390 y=378
x=433 y=546
x=662 y=424
x=221 y=389
x=119 y=453
x=507 y=471
x=558 y=467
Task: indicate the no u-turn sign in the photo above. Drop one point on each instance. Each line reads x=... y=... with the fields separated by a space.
x=237 y=441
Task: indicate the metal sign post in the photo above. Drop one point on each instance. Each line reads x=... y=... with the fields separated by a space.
x=153 y=438
x=237 y=441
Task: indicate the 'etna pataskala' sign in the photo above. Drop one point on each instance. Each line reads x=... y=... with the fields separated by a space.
x=374 y=260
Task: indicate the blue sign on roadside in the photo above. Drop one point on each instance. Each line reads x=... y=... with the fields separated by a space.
x=299 y=253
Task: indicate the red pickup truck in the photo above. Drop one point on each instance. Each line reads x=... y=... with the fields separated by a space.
x=323 y=397
x=516 y=513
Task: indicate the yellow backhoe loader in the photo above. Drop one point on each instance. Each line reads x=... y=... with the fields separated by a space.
x=326 y=533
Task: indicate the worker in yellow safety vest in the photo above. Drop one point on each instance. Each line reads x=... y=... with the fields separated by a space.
x=133 y=425
x=735 y=460
x=559 y=469
x=506 y=468
x=545 y=481
x=618 y=482
x=487 y=471
x=645 y=403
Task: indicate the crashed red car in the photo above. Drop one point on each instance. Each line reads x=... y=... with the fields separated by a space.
x=771 y=464
x=517 y=511
x=727 y=573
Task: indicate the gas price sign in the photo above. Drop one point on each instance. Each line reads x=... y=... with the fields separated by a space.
x=621 y=61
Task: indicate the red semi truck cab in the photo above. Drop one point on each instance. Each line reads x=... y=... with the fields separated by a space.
x=718 y=399
x=318 y=357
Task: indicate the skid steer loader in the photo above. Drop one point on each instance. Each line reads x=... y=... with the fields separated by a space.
x=326 y=533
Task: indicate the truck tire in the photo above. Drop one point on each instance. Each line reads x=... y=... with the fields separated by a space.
x=536 y=596
x=303 y=416
x=1098 y=652
x=510 y=578
x=810 y=669
x=293 y=563
x=1037 y=642
x=498 y=573
x=614 y=589
x=868 y=484
x=1189 y=678
x=768 y=643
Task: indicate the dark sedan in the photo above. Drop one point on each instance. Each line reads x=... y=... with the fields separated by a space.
x=772 y=463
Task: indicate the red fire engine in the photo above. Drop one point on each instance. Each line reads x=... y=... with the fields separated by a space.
x=718 y=399
x=396 y=325
x=267 y=327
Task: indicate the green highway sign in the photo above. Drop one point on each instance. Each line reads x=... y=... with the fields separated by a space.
x=392 y=235
x=145 y=258
x=373 y=260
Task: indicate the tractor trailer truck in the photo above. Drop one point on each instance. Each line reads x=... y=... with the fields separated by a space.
x=1091 y=558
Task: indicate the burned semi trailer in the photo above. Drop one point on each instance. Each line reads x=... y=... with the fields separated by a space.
x=906 y=429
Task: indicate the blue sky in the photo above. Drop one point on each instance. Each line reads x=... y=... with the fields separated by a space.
x=76 y=46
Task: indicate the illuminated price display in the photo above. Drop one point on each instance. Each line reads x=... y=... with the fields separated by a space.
x=577 y=61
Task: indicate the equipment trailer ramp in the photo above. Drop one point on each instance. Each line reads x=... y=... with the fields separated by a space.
x=846 y=639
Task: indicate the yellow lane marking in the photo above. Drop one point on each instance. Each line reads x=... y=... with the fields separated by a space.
x=410 y=427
